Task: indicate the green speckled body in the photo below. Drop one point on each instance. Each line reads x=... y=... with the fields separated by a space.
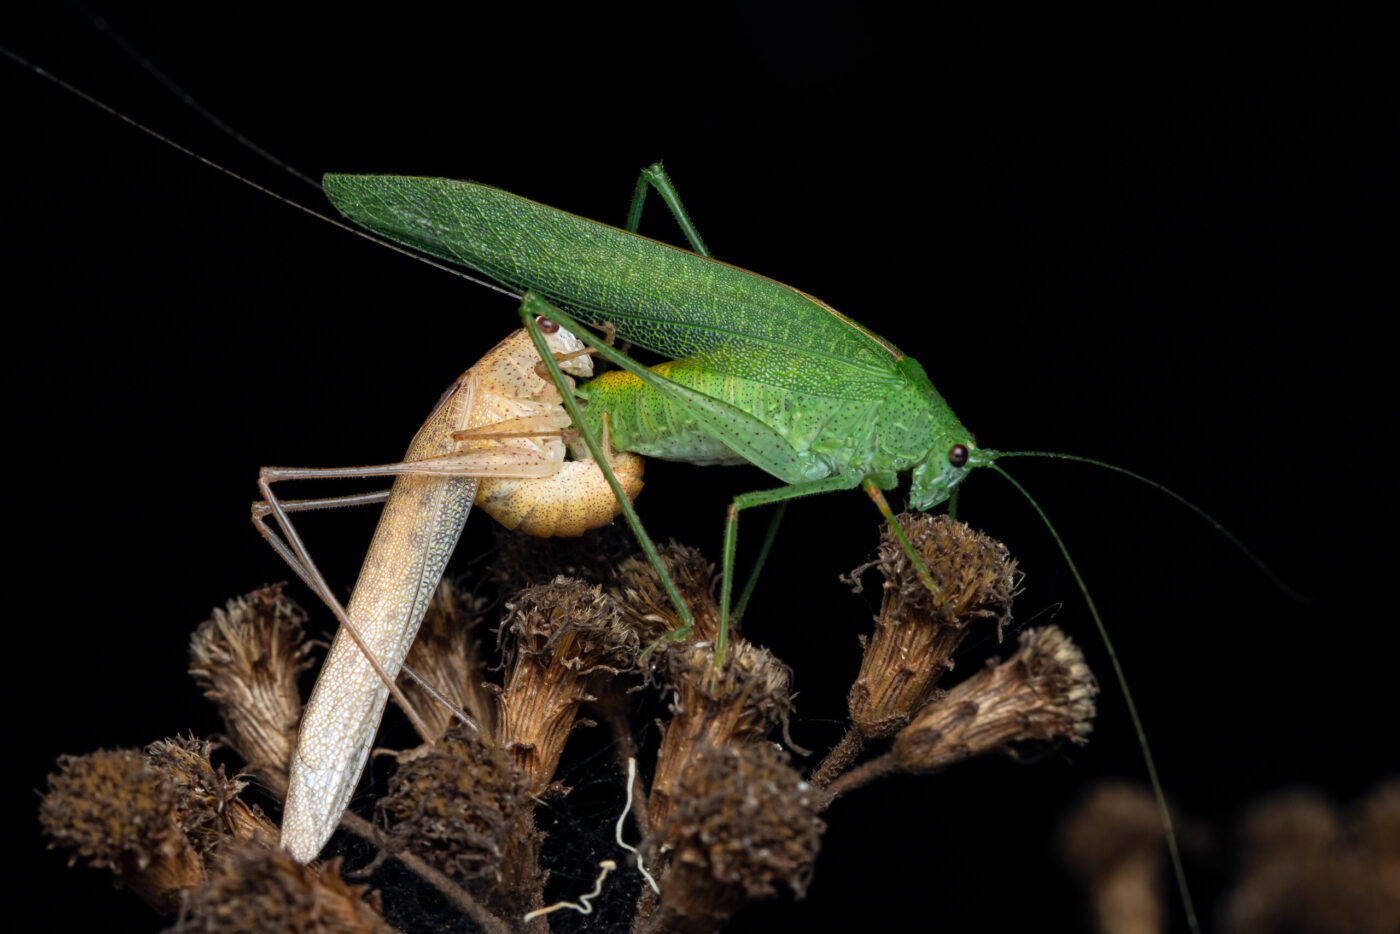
x=760 y=372
x=863 y=437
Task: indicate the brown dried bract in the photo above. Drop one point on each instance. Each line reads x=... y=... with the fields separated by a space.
x=1114 y=842
x=247 y=659
x=745 y=826
x=650 y=610
x=465 y=808
x=556 y=639
x=208 y=807
x=113 y=810
x=447 y=655
x=1045 y=691
x=255 y=890
x=735 y=704
x=1306 y=866
x=917 y=631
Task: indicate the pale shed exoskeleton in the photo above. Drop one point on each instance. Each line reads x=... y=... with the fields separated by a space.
x=495 y=438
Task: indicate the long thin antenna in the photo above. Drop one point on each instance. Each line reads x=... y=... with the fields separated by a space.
x=145 y=64
x=290 y=202
x=1210 y=520
x=1177 y=867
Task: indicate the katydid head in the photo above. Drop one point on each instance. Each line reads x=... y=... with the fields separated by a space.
x=946 y=465
x=568 y=349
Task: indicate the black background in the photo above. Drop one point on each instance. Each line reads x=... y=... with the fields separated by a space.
x=1166 y=242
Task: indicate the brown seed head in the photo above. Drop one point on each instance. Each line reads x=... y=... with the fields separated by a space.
x=736 y=704
x=207 y=808
x=917 y=631
x=1380 y=821
x=465 y=808
x=650 y=610
x=556 y=639
x=1113 y=842
x=1303 y=872
x=447 y=655
x=1045 y=691
x=247 y=658
x=255 y=889
x=115 y=811
x=745 y=826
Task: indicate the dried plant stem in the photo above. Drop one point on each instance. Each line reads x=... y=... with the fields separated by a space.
x=862 y=775
x=438 y=880
x=839 y=759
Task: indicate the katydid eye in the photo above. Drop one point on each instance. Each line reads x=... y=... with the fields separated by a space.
x=546 y=326
x=957 y=455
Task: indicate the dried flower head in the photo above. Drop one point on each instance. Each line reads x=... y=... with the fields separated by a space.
x=448 y=657
x=1113 y=842
x=256 y=889
x=1380 y=821
x=647 y=605
x=556 y=638
x=465 y=808
x=207 y=809
x=1045 y=691
x=745 y=826
x=1380 y=839
x=1301 y=872
x=738 y=703
x=247 y=658
x=917 y=631
x=115 y=811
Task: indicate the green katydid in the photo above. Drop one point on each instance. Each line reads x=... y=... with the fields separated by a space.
x=760 y=372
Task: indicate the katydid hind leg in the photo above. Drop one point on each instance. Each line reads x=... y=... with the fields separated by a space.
x=292 y=549
x=654 y=176
x=314 y=579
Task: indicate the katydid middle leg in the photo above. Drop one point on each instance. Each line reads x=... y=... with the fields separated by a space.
x=731 y=535
x=655 y=177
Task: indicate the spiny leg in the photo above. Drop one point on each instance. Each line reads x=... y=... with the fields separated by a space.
x=261 y=510
x=654 y=176
x=308 y=571
x=294 y=551
x=731 y=537
x=533 y=307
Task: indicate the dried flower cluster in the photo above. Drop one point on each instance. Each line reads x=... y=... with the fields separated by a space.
x=465 y=807
x=745 y=826
x=448 y=657
x=1043 y=692
x=1114 y=842
x=1304 y=865
x=917 y=631
x=559 y=639
x=725 y=819
x=257 y=889
x=734 y=705
x=247 y=658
